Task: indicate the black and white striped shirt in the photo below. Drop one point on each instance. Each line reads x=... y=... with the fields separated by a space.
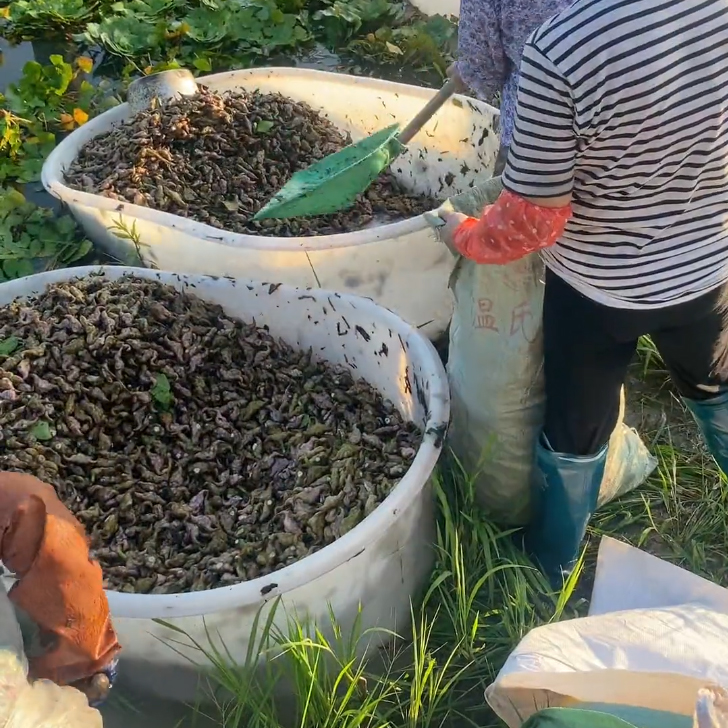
x=624 y=103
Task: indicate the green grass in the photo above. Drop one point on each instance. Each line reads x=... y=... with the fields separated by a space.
x=681 y=513
x=483 y=597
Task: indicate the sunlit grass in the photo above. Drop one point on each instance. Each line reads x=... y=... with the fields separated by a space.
x=681 y=513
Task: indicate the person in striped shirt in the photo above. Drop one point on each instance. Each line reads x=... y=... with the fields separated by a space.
x=491 y=36
x=618 y=174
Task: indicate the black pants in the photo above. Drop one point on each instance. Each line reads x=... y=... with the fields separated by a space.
x=588 y=348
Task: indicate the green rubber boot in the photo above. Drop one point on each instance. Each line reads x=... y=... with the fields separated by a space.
x=565 y=499
x=712 y=418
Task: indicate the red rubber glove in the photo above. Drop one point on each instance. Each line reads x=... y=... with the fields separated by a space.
x=59 y=587
x=510 y=229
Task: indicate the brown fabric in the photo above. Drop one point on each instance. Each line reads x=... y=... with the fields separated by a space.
x=59 y=586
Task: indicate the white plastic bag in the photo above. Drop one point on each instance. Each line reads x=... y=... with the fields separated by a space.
x=711 y=710
x=495 y=368
x=42 y=704
x=649 y=656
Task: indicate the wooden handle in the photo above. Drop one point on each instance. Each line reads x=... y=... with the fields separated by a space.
x=433 y=106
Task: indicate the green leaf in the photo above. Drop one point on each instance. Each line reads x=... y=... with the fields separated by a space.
x=162 y=392
x=9 y=345
x=208 y=26
x=202 y=64
x=73 y=253
x=33 y=71
x=41 y=431
x=264 y=126
x=33 y=238
x=61 y=79
x=12 y=199
x=18 y=268
x=126 y=35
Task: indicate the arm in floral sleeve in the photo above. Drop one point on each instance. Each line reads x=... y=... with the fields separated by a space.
x=481 y=57
x=535 y=207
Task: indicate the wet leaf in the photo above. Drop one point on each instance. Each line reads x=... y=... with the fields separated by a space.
x=162 y=392
x=9 y=345
x=41 y=431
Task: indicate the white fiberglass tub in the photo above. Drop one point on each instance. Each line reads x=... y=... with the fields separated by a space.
x=438 y=7
x=378 y=566
x=401 y=266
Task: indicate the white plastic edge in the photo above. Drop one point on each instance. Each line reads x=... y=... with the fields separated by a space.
x=257 y=591
x=438 y=7
x=53 y=172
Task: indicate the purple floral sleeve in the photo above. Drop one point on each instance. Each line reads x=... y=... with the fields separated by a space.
x=491 y=40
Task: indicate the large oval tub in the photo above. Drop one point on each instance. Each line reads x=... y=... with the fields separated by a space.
x=372 y=572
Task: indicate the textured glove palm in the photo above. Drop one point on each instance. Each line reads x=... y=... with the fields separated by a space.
x=59 y=587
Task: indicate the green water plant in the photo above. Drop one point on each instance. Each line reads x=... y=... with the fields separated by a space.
x=421 y=44
x=33 y=238
x=23 y=147
x=29 y=19
x=215 y=34
x=338 y=22
x=228 y=33
x=46 y=101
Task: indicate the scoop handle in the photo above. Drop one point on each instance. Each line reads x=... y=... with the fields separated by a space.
x=433 y=106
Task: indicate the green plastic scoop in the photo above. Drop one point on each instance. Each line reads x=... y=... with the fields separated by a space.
x=333 y=183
